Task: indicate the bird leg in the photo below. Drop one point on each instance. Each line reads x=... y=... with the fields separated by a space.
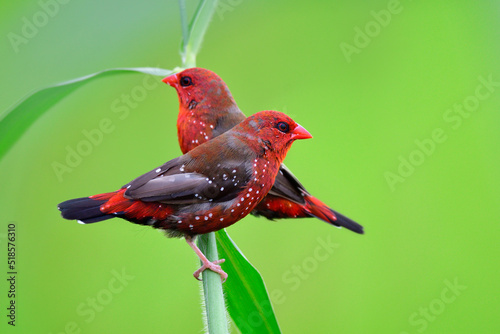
x=214 y=266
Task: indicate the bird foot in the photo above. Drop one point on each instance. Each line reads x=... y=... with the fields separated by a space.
x=214 y=266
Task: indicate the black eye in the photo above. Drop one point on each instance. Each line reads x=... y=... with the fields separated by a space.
x=283 y=127
x=186 y=81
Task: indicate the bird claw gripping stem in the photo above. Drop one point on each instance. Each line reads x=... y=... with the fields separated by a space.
x=214 y=266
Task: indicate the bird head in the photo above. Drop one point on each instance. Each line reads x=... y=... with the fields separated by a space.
x=275 y=131
x=200 y=87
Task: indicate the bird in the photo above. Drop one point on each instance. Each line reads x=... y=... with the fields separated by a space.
x=207 y=109
x=209 y=188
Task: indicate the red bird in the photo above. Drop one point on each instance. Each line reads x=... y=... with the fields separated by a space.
x=206 y=110
x=211 y=187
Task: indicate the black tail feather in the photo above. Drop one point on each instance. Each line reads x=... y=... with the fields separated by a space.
x=348 y=223
x=84 y=209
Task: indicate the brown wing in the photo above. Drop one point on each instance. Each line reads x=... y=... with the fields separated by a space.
x=175 y=183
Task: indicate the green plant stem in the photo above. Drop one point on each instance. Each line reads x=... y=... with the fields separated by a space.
x=212 y=288
x=184 y=24
x=192 y=38
x=197 y=29
x=184 y=28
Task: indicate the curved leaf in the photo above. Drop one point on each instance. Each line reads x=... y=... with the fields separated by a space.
x=18 y=118
x=247 y=298
x=199 y=24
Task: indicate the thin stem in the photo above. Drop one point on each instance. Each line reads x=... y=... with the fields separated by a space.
x=192 y=37
x=197 y=29
x=184 y=27
x=212 y=288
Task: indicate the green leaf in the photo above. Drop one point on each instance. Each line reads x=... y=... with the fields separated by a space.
x=199 y=24
x=18 y=118
x=247 y=298
x=184 y=24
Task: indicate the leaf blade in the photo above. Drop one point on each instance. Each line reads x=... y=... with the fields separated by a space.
x=245 y=290
x=17 y=119
x=197 y=29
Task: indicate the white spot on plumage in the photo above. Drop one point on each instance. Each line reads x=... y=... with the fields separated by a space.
x=258 y=191
x=197 y=218
x=232 y=210
x=190 y=226
x=179 y=221
x=182 y=168
x=158 y=170
x=238 y=204
x=210 y=215
x=80 y=222
x=221 y=188
x=234 y=171
x=242 y=199
x=222 y=219
x=206 y=218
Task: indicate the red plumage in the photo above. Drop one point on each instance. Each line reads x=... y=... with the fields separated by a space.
x=206 y=110
x=211 y=187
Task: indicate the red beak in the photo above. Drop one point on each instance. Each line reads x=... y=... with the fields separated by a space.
x=300 y=133
x=171 y=80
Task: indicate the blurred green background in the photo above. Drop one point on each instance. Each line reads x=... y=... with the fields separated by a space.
x=372 y=81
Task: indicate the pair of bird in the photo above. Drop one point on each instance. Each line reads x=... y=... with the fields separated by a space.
x=232 y=166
